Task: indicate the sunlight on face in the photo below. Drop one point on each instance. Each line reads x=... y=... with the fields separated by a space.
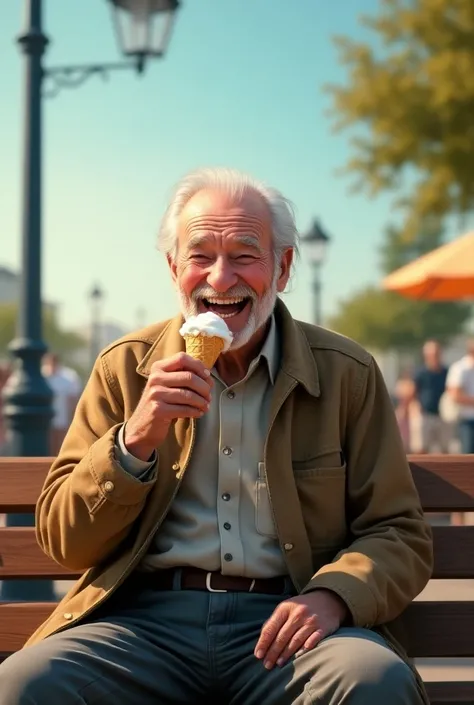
x=226 y=263
x=259 y=313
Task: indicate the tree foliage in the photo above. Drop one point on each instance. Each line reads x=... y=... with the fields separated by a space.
x=410 y=97
x=396 y=251
x=61 y=341
x=383 y=320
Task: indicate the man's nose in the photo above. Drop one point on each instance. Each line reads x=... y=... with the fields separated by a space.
x=221 y=275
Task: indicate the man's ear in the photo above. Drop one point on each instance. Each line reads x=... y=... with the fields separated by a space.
x=286 y=260
x=173 y=268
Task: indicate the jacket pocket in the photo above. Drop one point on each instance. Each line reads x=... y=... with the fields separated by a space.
x=322 y=495
x=263 y=511
x=326 y=459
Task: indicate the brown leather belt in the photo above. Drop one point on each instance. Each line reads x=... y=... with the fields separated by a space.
x=195 y=579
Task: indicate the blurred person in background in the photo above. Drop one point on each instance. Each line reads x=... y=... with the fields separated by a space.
x=66 y=385
x=460 y=385
x=5 y=370
x=430 y=384
x=406 y=409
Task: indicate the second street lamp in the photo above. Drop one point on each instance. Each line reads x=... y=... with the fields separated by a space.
x=96 y=298
x=27 y=396
x=316 y=241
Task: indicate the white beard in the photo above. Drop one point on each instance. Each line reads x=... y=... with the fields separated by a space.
x=260 y=312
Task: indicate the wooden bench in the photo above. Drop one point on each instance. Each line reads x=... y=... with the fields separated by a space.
x=435 y=629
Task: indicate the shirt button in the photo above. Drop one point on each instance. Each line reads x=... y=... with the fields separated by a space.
x=227 y=450
x=231 y=395
x=227 y=525
x=108 y=487
x=288 y=546
x=226 y=496
x=68 y=615
x=228 y=557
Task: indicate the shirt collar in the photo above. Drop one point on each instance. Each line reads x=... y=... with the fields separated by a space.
x=269 y=352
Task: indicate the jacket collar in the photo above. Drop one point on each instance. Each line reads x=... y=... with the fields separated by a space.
x=270 y=353
x=297 y=359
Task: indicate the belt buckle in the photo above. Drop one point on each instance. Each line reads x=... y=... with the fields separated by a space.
x=209 y=587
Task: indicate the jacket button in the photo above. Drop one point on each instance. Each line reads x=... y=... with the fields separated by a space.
x=288 y=546
x=68 y=615
x=109 y=486
x=175 y=466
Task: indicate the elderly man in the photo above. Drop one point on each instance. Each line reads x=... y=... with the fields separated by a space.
x=247 y=535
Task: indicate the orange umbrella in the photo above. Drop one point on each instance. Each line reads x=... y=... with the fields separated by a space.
x=445 y=274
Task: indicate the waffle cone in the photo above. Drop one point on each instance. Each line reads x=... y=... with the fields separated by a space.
x=204 y=348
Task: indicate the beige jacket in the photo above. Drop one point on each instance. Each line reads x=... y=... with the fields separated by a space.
x=346 y=510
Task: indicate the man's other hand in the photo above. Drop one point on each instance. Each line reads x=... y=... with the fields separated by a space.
x=298 y=625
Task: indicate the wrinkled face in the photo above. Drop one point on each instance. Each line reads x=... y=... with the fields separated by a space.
x=225 y=261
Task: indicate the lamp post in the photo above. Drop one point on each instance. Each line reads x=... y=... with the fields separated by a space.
x=316 y=241
x=143 y=30
x=96 y=297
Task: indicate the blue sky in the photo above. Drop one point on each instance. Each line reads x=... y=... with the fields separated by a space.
x=241 y=86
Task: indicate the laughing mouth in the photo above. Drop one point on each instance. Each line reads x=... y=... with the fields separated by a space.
x=226 y=307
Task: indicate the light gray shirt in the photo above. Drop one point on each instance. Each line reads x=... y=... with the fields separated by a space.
x=221 y=519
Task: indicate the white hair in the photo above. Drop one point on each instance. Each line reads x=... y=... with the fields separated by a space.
x=236 y=184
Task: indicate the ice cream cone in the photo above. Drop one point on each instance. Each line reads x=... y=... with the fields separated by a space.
x=205 y=348
x=206 y=337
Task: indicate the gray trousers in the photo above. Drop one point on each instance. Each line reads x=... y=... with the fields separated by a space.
x=197 y=647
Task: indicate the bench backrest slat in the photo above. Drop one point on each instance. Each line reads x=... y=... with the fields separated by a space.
x=451 y=693
x=21 y=557
x=445 y=483
x=21 y=480
x=19 y=620
x=453 y=552
x=440 y=629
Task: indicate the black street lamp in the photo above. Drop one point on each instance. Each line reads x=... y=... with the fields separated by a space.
x=27 y=397
x=144 y=27
x=316 y=242
x=96 y=298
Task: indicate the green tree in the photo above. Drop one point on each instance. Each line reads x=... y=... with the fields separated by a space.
x=61 y=341
x=397 y=250
x=409 y=101
x=384 y=320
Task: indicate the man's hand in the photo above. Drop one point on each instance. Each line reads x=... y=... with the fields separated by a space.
x=299 y=624
x=177 y=388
